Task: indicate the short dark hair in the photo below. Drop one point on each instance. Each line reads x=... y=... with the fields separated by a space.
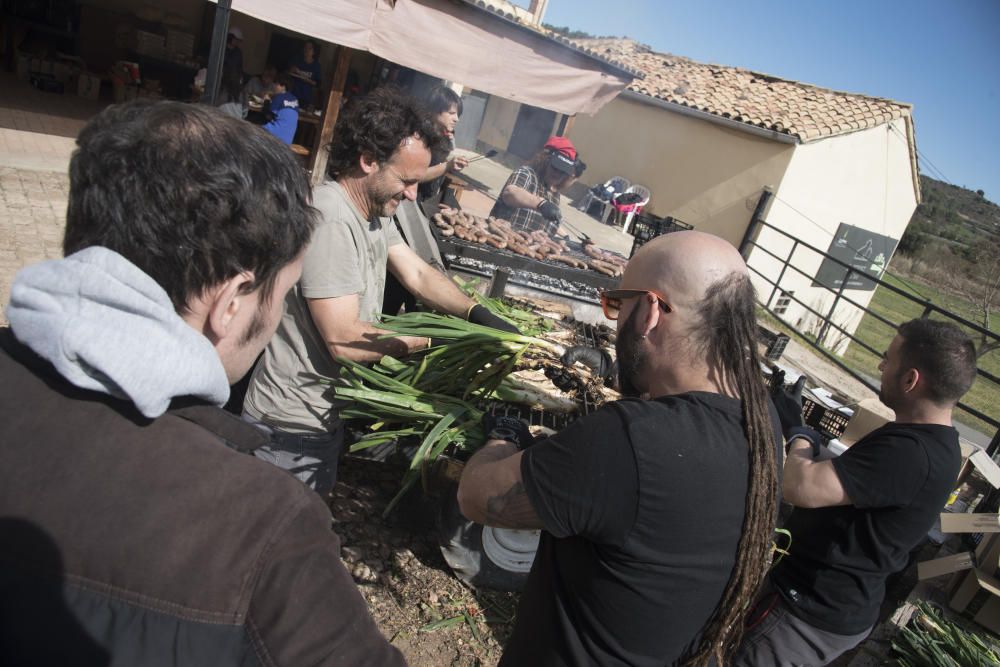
x=943 y=353
x=376 y=124
x=189 y=195
x=441 y=98
x=284 y=79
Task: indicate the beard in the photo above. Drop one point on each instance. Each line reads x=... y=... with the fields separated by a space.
x=631 y=357
x=384 y=204
x=384 y=201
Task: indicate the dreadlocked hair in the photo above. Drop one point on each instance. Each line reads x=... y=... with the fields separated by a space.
x=728 y=328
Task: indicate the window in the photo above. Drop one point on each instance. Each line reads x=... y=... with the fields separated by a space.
x=784 y=300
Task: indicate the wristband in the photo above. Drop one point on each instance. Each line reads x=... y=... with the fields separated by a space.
x=810 y=435
x=505 y=434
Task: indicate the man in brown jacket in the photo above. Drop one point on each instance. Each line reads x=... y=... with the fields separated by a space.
x=134 y=527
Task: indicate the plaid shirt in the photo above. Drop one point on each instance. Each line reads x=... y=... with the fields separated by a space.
x=526 y=219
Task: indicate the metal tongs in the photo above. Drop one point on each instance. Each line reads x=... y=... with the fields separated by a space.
x=489 y=153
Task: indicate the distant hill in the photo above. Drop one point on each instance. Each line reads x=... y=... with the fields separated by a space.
x=963 y=218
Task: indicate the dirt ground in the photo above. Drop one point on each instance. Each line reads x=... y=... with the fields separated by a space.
x=424 y=611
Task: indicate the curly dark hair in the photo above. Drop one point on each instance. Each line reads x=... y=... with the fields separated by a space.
x=376 y=124
x=189 y=195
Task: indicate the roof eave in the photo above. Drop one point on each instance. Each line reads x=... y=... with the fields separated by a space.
x=618 y=68
x=773 y=135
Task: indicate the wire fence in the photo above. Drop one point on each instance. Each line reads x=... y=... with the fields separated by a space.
x=828 y=326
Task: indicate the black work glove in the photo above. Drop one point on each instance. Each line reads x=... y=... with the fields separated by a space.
x=596 y=360
x=480 y=314
x=788 y=404
x=510 y=429
x=550 y=211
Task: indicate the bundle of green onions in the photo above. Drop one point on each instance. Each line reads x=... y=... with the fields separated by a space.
x=429 y=396
x=934 y=642
x=526 y=321
x=470 y=360
x=401 y=411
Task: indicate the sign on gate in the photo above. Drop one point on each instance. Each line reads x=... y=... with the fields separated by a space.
x=863 y=250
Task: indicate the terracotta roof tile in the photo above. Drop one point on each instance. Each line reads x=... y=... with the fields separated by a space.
x=788 y=107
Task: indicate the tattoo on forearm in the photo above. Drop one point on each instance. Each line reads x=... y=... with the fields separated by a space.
x=512 y=509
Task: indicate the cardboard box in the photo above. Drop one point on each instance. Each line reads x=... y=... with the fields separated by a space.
x=952 y=522
x=23 y=66
x=869 y=414
x=974 y=595
x=88 y=86
x=62 y=72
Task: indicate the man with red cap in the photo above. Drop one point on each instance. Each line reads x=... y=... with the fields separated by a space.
x=530 y=198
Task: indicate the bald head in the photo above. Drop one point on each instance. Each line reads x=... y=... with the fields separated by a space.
x=682 y=266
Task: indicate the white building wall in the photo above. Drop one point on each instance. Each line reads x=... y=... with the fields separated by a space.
x=863 y=179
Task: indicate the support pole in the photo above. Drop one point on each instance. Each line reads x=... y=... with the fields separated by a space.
x=565 y=125
x=220 y=34
x=319 y=156
x=756 y=220
x=821 y=338
x=499 y=282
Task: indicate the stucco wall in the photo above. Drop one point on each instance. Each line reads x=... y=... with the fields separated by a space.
x=862 y=179
x=705 y=174
x=498 y=122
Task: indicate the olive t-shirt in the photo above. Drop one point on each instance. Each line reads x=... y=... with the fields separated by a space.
x=642 y=504
x=347 y=255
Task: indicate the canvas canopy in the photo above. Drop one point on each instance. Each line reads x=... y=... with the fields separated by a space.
x=458 y=41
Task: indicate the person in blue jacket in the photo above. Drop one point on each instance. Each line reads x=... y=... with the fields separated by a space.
x=283 y=112
x=307 y=74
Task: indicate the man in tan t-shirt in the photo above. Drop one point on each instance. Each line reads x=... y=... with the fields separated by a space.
x=381 y=149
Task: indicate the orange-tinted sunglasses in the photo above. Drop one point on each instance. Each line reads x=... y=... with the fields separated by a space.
x=611 y=300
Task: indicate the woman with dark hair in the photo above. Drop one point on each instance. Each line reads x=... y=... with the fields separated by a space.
x=444 y=107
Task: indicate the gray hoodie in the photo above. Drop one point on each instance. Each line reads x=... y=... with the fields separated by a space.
x=108 y=327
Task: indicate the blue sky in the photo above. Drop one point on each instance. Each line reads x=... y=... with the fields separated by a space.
x=942 y=57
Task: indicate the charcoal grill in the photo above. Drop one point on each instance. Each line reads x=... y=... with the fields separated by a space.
x=551 y=277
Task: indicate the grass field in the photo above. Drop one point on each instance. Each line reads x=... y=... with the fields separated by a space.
x=984 y=395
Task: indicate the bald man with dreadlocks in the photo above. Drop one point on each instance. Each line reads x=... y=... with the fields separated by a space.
x=657 y=511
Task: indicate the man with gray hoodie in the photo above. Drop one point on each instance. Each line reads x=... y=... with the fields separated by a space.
x=135 y=528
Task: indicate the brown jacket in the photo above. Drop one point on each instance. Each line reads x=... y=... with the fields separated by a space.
x=130 y=541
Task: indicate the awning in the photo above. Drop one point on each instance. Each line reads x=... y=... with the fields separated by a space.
x=464 y=42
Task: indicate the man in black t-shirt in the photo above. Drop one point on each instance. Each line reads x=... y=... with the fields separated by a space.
x=643 y=503
x=858 y=516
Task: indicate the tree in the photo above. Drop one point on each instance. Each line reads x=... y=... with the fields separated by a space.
x=982 y=289
x=980 y=193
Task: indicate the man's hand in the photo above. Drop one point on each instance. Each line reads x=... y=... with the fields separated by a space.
x=480 y=314
x=508 y=429
x=596 y=360
x=550 y=211
x=789 y=405
x=457 y=163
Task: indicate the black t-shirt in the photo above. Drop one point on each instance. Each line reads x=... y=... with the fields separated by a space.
x=898 y=477
x=431 y=189
x=643 y=505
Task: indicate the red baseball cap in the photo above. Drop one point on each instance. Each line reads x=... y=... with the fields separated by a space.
x=562 y=145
